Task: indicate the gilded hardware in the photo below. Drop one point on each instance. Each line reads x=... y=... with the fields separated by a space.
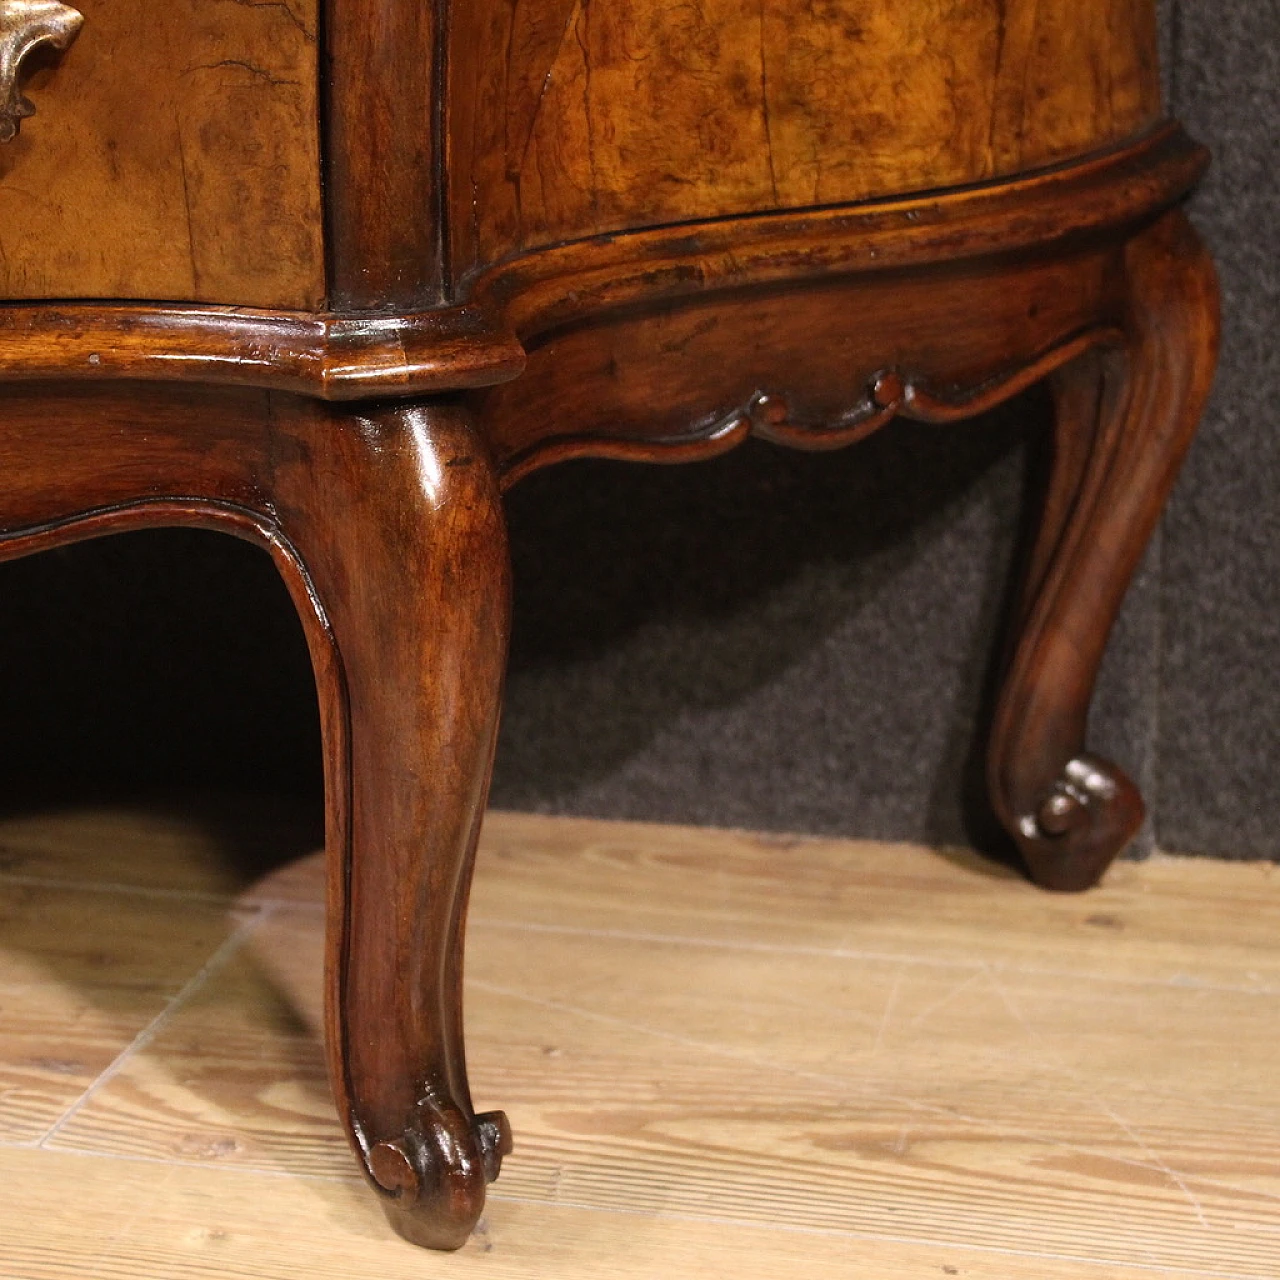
x=24 y=25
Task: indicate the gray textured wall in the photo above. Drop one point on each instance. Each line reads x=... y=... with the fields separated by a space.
x=794 y=642
x=769 y=640
x=1219 y=717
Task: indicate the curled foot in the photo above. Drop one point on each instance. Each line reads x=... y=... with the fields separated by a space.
x=1083 y=820
x=433 y=1176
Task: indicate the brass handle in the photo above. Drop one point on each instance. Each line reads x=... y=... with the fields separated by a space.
x=25 y=24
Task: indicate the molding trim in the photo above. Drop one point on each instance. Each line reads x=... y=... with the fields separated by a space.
x=566 y=284
x=768 y=416
x=480 y=341
x=325 y=356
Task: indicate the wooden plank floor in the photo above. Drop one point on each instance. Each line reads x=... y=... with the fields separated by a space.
x=722 y=1055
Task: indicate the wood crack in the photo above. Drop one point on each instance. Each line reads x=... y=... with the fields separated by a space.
x=259 y=73
x=186 y=199
x=764 y=107
x=293 y=18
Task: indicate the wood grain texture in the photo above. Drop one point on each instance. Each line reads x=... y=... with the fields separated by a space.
x=195 y=845
x=1125 y=420
x=816 y=367
x=1110 y=193
x=74 y=995
x=394 y=521
x=386 y=526
x=478 y=342
x=571 y=119
x=967 y=1077
x=384 y=521
x=915 y=247
x=326 y=356
x=180 y=1223
x=175 y=155
x=382 y=173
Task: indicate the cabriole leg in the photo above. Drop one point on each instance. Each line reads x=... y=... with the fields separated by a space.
x=1124 y=420
x=394 y=517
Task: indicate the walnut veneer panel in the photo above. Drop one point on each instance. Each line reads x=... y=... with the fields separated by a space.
x=571 y=119
x=174 y=155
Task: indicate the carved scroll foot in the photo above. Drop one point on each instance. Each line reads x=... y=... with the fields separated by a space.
x=1124 y=420
x=1087 y=815
x=435 y=1173
x=396 y=520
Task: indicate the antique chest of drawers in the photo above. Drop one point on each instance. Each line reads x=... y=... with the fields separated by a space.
x=329 y=277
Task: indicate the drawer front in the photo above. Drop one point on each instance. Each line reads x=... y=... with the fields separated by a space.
x=174 y=154
x=570 y=120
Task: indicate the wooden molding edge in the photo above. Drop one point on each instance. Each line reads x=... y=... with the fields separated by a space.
x=325 y=356
x=553 y=287
x=890 y=394
x=479 y=341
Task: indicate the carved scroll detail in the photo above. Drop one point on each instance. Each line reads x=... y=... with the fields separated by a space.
x=24 y=26
x=1086 y=780
x=892 y=393
x=433 y=1174
x=768 y=415
x=440 y=1144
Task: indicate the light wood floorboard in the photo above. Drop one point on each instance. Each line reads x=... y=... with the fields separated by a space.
x=722 y=1054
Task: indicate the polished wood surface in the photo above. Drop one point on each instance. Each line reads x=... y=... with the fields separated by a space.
x=478 y=342
x=174 y=155
x=387 y=528
x=568 y=120
x=1129 y=333
x=383 y=173
x=1125 y=418
x=329 y=357
x=631 y=229
x=779 y=370
x=413 y=680
x=725 y=1054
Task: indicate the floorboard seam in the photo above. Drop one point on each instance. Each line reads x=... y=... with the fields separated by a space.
x=1179 y=980
x=1154 y=1268
x=229 y=946
x=209 y=896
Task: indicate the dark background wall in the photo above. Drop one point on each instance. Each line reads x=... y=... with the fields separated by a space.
x=770 y=640
x=1219 y=718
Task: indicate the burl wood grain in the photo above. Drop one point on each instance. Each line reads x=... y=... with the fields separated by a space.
x=570 y=119
x=174 y=155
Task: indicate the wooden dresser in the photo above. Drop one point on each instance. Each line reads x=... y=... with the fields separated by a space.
x=330 y=276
